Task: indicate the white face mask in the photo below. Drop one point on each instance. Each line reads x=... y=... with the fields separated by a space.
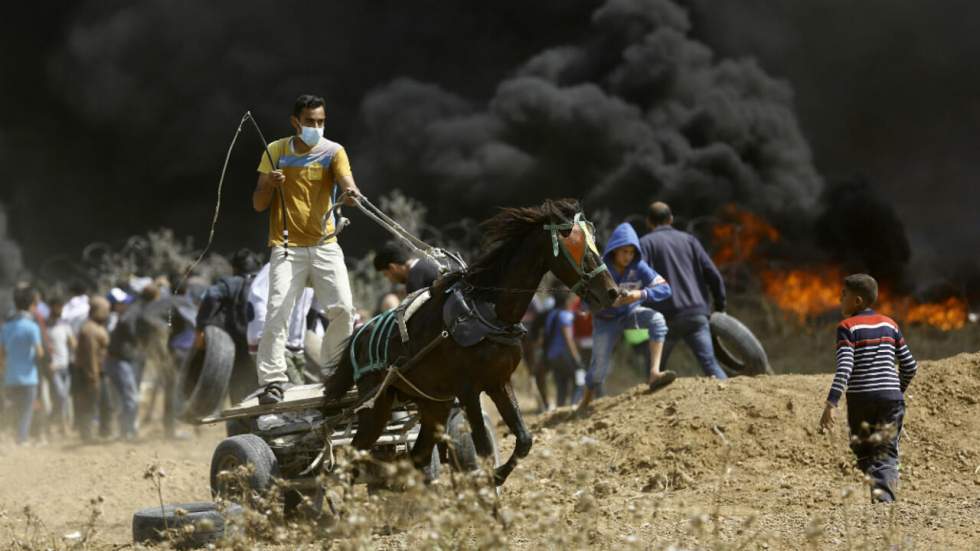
x=310 y=135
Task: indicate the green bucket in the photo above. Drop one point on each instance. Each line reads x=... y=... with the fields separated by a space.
x=636 y=335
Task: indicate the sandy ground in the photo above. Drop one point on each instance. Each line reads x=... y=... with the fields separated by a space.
x=702 y=464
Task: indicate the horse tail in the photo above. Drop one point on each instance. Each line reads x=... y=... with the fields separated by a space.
x=341 y=378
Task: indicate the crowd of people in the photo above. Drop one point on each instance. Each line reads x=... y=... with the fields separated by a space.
x=77 y=363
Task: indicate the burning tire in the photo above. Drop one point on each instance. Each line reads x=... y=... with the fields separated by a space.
x=152 y=524
x=737 y=349
x=206 y=374
x=462 y=439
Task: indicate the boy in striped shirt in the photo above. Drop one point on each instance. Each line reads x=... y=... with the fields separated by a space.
x=869 y=346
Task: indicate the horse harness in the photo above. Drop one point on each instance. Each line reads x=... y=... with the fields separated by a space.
x=581 y=235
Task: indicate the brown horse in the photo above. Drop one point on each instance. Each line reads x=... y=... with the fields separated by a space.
x=521 y=245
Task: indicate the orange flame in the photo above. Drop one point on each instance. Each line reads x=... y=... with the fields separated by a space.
x=805 y=293
x=738 y=240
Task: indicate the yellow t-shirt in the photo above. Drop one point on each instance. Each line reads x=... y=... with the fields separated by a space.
x=308 y=189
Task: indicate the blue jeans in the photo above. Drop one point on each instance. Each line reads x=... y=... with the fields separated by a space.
x=877 y=457
x=606 y=333
x=123 y=376
x=20 y=404
x=694 y=330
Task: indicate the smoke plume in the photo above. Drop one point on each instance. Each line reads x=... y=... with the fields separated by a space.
x=636 y=110
x=11 y=265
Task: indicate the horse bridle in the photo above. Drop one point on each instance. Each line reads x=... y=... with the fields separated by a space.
x=573 y=246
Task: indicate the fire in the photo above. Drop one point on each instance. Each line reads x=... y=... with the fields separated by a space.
x=736 y=241
x=947 y=315
x=805 y=293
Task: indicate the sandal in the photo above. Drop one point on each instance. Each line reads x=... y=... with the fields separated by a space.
x=663 y=380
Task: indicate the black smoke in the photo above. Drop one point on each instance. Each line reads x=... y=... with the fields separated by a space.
x=11 y=265
x=886 y=89
x=121 y=111
x=862 y=230
x=634 y=110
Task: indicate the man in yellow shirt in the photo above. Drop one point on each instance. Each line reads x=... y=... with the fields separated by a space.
x=304 y=169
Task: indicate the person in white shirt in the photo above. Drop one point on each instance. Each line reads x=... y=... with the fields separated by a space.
x=62 y=342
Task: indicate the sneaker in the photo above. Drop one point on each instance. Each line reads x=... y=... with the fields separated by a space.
x=274 y=393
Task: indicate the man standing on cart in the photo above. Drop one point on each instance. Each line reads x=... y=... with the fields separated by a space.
x=297 y=184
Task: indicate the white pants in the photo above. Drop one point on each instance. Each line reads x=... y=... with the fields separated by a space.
x=323 y=268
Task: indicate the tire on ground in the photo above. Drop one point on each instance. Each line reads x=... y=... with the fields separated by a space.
x=151 y=524
x=205 y=375
x=237 y=451
x=737 y=349
x=462 y=440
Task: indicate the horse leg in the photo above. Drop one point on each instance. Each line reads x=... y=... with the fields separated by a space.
x=503 y=397
x=434 y=415
x=371 y=422
x=478 y=430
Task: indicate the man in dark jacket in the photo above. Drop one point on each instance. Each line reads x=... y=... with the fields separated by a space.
x=398 y=267
x=681 y=259
x=225 y=305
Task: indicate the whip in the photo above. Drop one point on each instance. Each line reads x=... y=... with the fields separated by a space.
x=275 y=166
x=217 y=205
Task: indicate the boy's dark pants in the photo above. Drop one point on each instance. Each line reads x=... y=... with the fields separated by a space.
x=877 y=456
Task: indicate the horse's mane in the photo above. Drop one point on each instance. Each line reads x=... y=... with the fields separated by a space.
x=506 y=229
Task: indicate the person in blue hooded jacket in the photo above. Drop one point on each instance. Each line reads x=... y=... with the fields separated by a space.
x=643 y=284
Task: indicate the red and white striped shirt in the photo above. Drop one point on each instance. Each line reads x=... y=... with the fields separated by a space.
x=869 y=346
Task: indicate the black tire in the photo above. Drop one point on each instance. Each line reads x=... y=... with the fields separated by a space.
x=206 y=373
x=462 y=439
x=150 y=525
x=737 y=349
x=243 y=449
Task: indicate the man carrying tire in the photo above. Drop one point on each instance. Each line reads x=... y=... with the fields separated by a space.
x=297 y=184
x=681 y=259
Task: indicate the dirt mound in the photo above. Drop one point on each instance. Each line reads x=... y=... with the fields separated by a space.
x=701 y=464
x=749 y=449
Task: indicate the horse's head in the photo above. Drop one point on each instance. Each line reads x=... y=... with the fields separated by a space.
x=575 y=259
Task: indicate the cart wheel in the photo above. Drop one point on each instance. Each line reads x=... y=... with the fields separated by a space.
x=234 y=452
x=462 y=439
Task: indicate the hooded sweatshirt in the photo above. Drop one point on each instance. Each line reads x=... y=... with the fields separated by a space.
x=637 y=275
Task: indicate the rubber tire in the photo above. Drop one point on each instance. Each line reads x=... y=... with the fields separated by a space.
x=462 y=440
x=206 y=373
x=737 y=349
x=244 y=449
x=149 y=525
